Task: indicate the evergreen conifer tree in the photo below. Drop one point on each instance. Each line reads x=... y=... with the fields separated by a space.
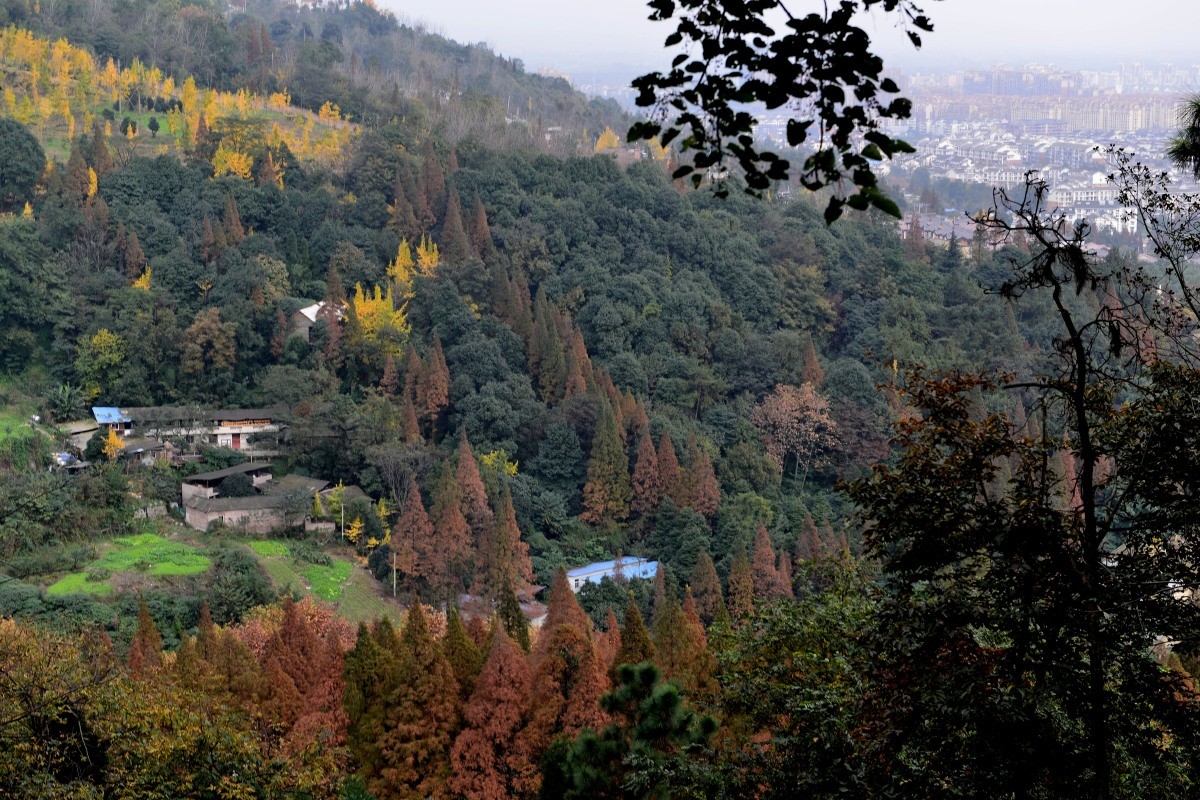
x=453 y=243
x=463 y=654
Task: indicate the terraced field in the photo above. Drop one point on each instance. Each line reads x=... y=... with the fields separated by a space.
x=142 y=554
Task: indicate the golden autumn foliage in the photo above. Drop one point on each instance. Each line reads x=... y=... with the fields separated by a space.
x=402 y=269
x=379 y=321
x=231 y=162
x=113 y=444
x=428 y=257
x=607 y=141
x=50 y=81
x=143 y=282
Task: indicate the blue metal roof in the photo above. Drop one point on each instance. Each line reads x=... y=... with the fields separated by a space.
x=109 y=415
x=630 y=567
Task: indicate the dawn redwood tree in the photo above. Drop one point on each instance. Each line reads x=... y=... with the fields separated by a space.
x=568 y=681
x=422 y=719
x=453 y=539
x=414 y=372
x=646 y=480
x=474 y=496
x=810 y=365
x=670 y=480
x=562 y=609
x=145 y=654
x=741 y=587
x=809 y=546
x=419 y=554
x=681 y=648
x=703 y=492
x=485 y=764
x=433 y=389
x=389 y=384
x=608 y=640
x=769 y=584
x=705 y=587
x=636 y=645
x=606 y=494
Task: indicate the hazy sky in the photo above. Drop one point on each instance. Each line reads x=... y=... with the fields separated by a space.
x=605 y=34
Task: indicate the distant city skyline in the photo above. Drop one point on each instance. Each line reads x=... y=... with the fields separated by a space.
x=616 y=36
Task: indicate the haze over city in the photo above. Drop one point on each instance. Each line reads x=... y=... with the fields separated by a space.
x=968 y=33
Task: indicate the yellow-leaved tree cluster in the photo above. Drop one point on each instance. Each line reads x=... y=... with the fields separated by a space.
x=57 y=81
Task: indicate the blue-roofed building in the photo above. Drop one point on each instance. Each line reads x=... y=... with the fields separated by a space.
x=112 y=417
x=626 y=566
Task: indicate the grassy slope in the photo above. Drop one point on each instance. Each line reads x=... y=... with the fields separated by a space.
x=145 y=554
x=353 y=592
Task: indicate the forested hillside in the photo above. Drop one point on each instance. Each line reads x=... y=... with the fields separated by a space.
x=352 y=55
x=490 y=350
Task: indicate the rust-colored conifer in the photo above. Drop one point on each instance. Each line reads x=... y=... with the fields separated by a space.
x=389 y=384
x=668 y=468
x=145 y=654
x=486 y=762
x=636 y=645
x=703 y=492
x=474 y=497
x=706 y=588
x=453 y=540
x=767 y=582
x=647 y=479
x=412 y=538
x=741 y=587
x=421 y=722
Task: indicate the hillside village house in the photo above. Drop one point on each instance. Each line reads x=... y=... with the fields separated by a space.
x=276 y=505
x=191 y=427
x=303 y=320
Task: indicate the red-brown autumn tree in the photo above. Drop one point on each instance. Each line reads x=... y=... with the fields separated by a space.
x=668 y=469
x=647 y=480
x=448 y=569
x=486 y=763
x=424 y=714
